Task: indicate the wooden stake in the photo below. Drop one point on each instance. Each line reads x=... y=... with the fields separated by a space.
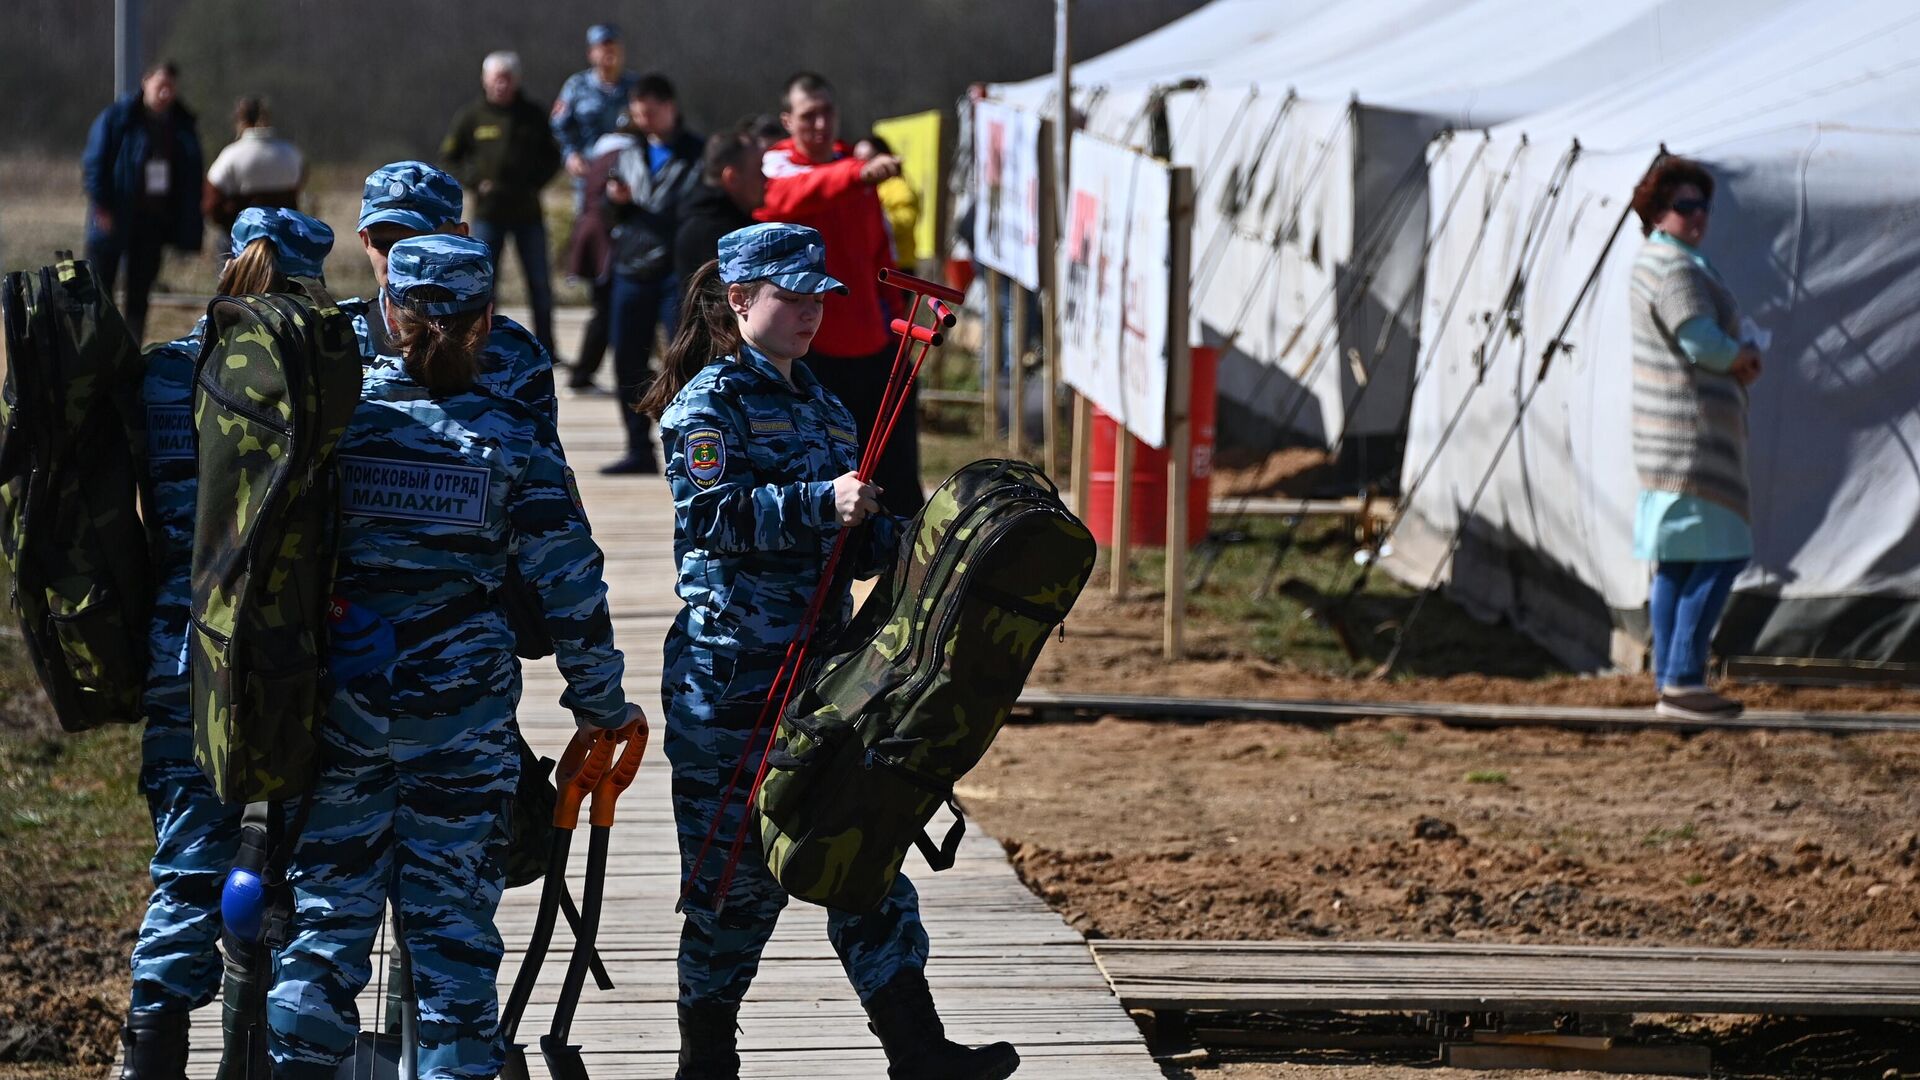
x=1082 y=452
x=1122 y=509
x=1017 y=378
x=1179 y=415
x=990 y=358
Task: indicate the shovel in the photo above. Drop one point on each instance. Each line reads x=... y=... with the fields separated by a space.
x=581 y=767
x=563 y=1058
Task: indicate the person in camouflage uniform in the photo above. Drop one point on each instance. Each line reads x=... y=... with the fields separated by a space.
x=761 y=460
x=176 y=962
x=591 y=103
x=412 y=198
x=443 y=485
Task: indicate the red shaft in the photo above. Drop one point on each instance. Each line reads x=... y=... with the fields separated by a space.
x=926 y=335
x=922 y=286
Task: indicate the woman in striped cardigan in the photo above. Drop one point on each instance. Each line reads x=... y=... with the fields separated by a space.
x=1690 y=377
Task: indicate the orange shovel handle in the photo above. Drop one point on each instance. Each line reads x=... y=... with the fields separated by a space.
x=581 y=767
x=620 y=777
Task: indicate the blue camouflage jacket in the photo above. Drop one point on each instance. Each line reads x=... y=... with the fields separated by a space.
x=751 y=461
x=513 y=365
x=437 y=496
x=588 y=108
x=167 y=393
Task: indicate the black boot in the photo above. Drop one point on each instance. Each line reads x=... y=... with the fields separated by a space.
x=155 y=1045
x=902 y=1015
x=706 y=1043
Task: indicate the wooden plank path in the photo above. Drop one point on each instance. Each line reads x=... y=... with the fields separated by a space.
x=1003 y=966
x=1283 y=976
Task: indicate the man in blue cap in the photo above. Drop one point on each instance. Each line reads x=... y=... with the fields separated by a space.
x=412 y=198
x=591 y=102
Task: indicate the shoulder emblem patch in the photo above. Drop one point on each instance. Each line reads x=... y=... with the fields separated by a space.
x=573 y=492
x=706 y=457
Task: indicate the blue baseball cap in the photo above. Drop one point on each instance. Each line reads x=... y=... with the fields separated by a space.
x=410 y=193
x=791 y=256
x=300 y=243
x=601 y=33
x=459 y=264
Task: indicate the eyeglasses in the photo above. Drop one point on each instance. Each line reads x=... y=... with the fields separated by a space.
x=1690 y=207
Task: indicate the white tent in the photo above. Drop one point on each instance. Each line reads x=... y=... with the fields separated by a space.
x=1810 y=121
x=1308 y=142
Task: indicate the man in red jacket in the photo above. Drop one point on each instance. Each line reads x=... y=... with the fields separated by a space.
x=813 y=179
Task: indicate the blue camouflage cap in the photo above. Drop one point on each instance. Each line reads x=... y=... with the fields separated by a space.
x=410 y=193
x=300 y=243
x=791 y=256
x=459 y=264
x=601 y=33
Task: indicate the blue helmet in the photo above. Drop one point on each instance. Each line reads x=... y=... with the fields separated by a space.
x=459 y=264
x=410 y=193
x=300 y=243
x=791 y=256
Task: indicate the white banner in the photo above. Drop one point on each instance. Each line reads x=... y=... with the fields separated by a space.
x=1006 y=221
x=1117 y=250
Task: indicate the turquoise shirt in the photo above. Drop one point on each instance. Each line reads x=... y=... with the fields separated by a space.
x=1669 y=526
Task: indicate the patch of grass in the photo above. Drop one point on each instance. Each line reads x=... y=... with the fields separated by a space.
x=1395 y=738
x=1664 y=835
x=1486 y=776
x=1694 y=879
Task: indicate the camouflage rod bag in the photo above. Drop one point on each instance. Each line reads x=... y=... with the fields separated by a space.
x=922 y=681
x=72 y=443
x=276 y=384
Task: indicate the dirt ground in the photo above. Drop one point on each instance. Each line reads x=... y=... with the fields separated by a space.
x=1411 y=830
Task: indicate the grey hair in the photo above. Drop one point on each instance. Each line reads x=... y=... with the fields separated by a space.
x=504 y=59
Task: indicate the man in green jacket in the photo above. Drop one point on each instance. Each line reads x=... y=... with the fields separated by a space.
x=501 y=149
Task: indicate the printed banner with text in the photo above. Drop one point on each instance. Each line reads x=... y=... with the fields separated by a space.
x=1006 y=222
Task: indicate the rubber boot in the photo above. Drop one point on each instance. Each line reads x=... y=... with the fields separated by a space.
x=707 y=1043
x=155 y=1045
x=902 y=1015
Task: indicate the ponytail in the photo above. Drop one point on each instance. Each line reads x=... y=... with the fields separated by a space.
x=707 y=329
x=442 y=351
x=252 y=271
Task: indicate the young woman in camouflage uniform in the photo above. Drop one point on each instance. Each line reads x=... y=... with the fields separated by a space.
x=443 y=487
x=761 y=460
x=176 y=962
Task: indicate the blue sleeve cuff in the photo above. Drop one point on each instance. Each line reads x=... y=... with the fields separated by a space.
x=1706 y=344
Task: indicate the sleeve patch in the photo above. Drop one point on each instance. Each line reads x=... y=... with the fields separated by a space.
x=770 y=427
x=573 y=492
x=706 y=457
x=843 y=435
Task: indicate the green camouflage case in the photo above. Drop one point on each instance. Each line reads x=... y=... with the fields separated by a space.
x=277 y=382
x=72 y=447
x=929 y=668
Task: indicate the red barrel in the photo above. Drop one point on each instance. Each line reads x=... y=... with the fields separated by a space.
x=1147 y=513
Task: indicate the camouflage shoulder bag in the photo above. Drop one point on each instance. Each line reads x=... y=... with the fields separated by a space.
x=926 y=675
x=277 y=382
x=72 y=443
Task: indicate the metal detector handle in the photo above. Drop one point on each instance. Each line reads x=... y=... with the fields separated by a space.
x=942 y=314
x=922 y=286
x=621 y=775
x=579 y=772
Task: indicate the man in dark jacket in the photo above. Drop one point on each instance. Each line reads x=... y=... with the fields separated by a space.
x=731 y=188
x=142 y=173
x=646 y=192
x=501 y=149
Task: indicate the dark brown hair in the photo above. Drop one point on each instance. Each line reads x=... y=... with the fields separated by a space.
x=735 y=148
x=252 y=271
x=1653 y=196
x=250 y=110
x=708 y=329
x=442 y=351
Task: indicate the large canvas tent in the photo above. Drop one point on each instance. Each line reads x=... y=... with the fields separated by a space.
x=1810 y=120
x=1306 y=122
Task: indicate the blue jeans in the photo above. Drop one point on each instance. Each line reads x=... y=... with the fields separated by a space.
x=530 y=240
x=1687 y=601
x=639 y=309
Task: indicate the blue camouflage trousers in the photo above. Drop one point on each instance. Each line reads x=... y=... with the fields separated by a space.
x=711 y=708
x=411 y=807
x=176 y=959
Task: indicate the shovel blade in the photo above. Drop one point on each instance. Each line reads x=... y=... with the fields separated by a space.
x=515 y=1065
x=563 y=1059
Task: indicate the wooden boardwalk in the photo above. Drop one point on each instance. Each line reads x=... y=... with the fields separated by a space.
x=1003 y=966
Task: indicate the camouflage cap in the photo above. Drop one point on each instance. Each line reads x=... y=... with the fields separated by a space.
x=300 y=243
x=791 y=256
x=459 y=264
x=410 y=193
x=601 y=33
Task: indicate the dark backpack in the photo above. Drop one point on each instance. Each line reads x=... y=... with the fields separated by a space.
x=277 y=382
x=929 y=668
x=72 y=444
